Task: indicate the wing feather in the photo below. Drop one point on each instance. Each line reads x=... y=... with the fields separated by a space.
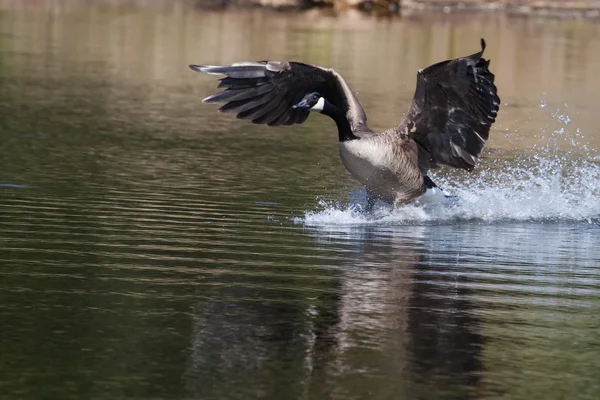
x=453 y=109
x=264 y=92
x=237 y=94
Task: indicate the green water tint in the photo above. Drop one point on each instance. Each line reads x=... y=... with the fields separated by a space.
x=159 y=249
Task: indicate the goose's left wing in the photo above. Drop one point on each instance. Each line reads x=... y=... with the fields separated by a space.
x=264 y=92
x=453 y=109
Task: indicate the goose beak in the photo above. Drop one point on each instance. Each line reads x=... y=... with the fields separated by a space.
x=302 y=105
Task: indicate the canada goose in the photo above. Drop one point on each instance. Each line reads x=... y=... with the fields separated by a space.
x=454 y=105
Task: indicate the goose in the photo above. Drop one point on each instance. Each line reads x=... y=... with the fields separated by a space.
x=454 y=106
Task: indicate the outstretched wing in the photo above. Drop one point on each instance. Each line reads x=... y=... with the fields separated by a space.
x=264 y=92
x=453 y=109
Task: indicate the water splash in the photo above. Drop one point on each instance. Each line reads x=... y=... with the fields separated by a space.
x=550 y=183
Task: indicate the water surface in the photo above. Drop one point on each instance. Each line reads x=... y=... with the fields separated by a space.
x=151 y=247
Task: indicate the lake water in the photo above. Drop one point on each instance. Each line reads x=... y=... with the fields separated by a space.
x=153 y=248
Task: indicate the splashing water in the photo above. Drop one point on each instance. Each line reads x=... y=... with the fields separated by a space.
x=548 y=184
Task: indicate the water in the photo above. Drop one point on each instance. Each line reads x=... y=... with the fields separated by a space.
x=151 y=247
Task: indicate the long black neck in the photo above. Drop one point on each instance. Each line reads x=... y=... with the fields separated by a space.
x=344 y=129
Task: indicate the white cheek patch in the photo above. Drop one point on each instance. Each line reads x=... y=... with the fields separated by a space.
x=319 y=106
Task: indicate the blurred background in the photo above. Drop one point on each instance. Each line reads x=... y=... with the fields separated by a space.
x=152 y=247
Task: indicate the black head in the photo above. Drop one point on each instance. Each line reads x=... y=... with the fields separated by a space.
x=312 y=101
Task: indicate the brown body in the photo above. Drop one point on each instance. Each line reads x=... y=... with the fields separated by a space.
x=386 y=164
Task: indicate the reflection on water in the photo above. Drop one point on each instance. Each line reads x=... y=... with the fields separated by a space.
x=151 y=247
x=409 y=312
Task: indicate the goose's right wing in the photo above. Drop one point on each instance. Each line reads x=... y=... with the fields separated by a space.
x=453 y=109
x=264 y=92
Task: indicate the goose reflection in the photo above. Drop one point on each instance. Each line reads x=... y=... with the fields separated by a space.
x=393 y=318
x=408 y=321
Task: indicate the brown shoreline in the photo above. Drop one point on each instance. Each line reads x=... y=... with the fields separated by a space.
x=589 y=9
x=556 y=8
